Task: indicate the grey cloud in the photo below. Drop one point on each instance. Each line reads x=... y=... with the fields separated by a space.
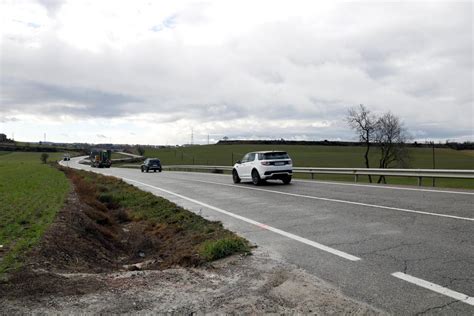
x=417 y=63
x=55 y=99
x=8 y=119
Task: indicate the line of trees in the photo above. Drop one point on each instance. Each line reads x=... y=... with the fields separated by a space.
x=386 y=132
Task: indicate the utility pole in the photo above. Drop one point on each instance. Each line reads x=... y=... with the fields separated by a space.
x=44 y=137
x=192 y=136
x=208 y=138
x=434 y=161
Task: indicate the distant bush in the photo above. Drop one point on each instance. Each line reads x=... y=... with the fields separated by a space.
x=140 y=150
x=461 y=146
x=44 y=157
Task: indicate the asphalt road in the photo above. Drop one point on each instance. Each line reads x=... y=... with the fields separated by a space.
x=403 y=250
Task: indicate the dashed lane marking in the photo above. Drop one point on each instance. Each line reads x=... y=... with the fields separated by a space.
x=435 y=288
x=333 y=200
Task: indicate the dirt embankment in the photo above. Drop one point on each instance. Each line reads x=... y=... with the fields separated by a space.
x=95 y=259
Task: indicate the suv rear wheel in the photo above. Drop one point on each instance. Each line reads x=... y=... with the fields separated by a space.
x=256 y=177
x=143 y=169
x=235 y=176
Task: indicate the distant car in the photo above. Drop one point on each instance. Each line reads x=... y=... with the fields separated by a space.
x=151 y=164
x=66 y=157
x=263 y=165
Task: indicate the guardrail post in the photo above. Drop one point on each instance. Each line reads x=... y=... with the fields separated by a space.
x=312 y=176
x=356 y=178
x=419 y=181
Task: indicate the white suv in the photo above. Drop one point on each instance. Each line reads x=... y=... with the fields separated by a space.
x=263 y=165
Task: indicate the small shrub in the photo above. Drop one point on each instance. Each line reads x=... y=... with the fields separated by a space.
x=140 y=150
x=105 y=198
x=44 y=157
x=121 y=215
x=217 y=249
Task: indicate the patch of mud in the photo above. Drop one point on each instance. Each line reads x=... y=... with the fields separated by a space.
x=250 y=284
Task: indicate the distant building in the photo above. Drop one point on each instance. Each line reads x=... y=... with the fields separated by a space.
x=3 y=138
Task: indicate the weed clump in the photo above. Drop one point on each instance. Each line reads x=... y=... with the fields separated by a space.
x=217 y=249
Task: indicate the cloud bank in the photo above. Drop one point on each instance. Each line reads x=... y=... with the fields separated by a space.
x=235 y=68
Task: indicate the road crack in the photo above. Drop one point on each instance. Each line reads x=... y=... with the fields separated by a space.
x=391 y=248
x=436 y=307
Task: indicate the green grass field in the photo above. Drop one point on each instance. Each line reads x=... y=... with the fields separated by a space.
x=119 y=156
x=323 y=156
x=31 y=193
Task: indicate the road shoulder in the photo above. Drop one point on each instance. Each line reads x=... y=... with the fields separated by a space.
x=260 y=283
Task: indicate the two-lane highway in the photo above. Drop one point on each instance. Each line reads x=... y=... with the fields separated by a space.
x=404 y=250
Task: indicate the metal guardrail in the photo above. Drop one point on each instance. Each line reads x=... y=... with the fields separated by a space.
x=413 y=173
x=356 y=172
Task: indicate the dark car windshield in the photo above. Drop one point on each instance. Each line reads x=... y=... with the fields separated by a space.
x=274 y=155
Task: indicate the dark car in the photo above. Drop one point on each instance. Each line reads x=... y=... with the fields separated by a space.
x=151 y=164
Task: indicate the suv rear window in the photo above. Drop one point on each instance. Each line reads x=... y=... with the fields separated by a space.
x=273 y=156
x=154 y=161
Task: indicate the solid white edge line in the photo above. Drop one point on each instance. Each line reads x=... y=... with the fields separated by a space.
x=435 y=288
x=258 y=224
x=334 y=200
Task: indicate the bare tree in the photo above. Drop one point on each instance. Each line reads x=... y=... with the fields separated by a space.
x=391 y=137
x=364 y=123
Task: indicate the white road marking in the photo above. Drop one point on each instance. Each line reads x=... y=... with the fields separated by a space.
x=261 y=225
x=385 y=187
x=435 y=288
x=333 y=200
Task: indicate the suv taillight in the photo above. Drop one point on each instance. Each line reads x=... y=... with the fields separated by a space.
x=265 y=163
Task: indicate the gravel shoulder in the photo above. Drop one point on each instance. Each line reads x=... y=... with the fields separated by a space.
x=260 y=283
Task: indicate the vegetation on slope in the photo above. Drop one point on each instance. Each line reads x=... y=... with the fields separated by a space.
x=173 y=234
x=119 y=221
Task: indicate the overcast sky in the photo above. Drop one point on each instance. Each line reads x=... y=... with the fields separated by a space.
x=151 y=71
